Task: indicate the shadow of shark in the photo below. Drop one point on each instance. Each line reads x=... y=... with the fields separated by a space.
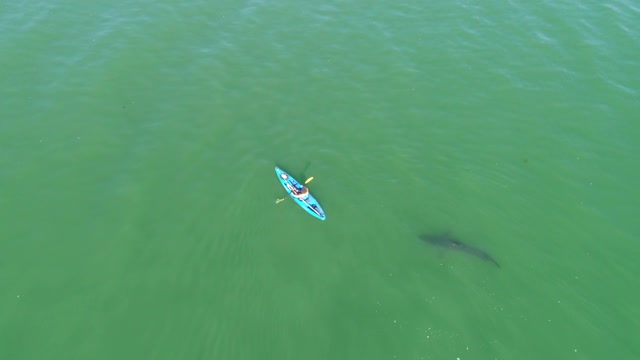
x=448 y=241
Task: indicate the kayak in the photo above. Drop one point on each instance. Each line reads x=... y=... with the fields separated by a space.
x=309 y=203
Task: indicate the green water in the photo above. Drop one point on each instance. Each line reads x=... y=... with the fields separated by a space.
x=137 y=184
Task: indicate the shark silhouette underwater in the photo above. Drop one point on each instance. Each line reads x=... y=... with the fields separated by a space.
x=449 y=242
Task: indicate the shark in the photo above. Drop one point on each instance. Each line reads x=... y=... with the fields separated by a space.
x=450 y=242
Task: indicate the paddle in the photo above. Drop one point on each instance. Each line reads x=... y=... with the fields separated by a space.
x=283 y=199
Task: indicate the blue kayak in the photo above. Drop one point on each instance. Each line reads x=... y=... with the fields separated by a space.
x=308 y=202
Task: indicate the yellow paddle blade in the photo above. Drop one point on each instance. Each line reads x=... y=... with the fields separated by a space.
x=280 y=200
x=308 y=180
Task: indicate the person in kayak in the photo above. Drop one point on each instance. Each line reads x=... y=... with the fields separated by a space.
x=299 y=193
